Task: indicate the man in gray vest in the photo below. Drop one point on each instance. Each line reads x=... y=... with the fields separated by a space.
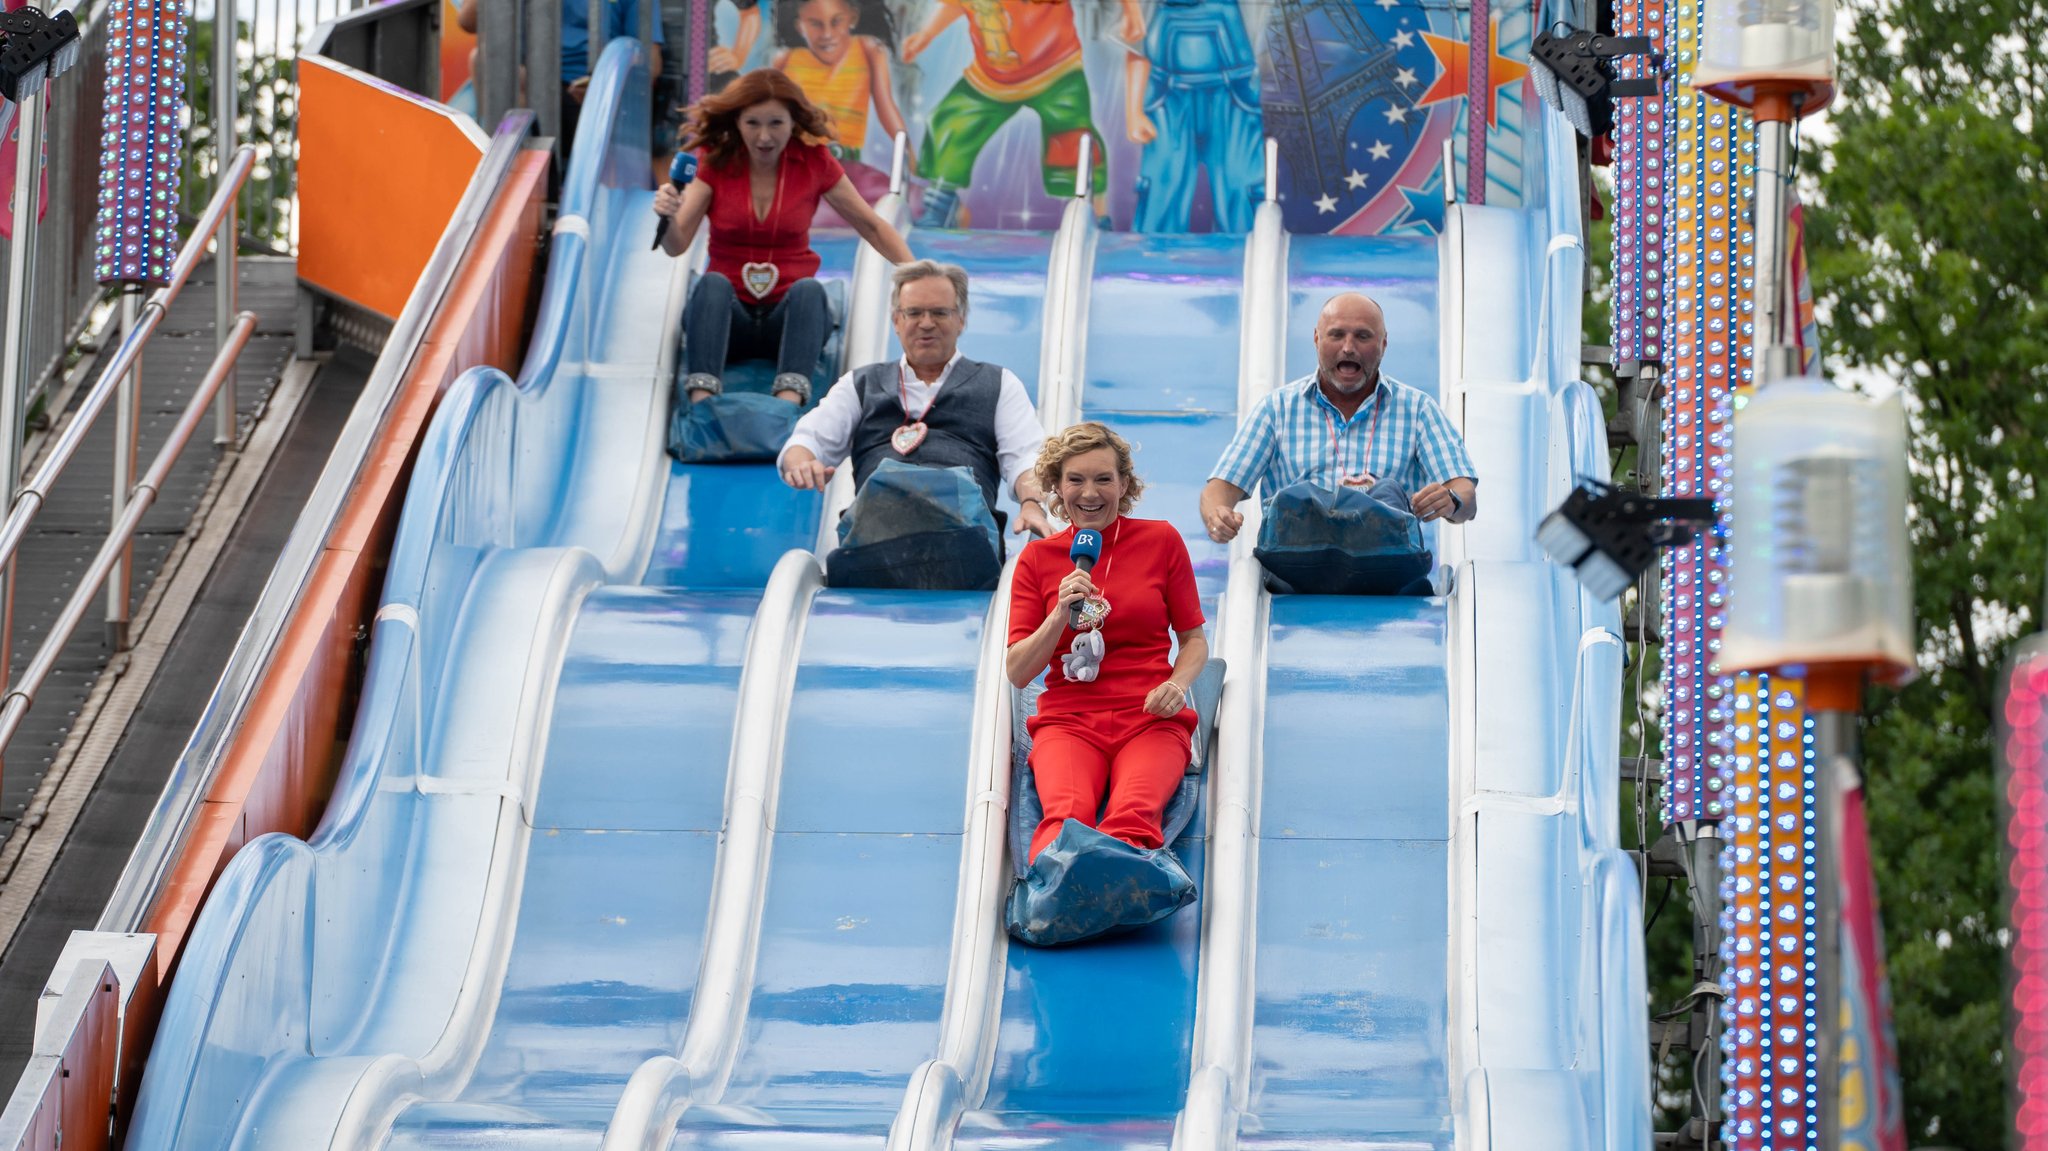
x=932 y=408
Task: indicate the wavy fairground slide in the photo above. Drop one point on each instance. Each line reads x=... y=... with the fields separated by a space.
x=644 y=838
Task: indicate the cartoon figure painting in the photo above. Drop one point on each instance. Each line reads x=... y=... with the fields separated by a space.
x=838 y=52
x=1192 y=103
x=724 y=64
x=1027 y=54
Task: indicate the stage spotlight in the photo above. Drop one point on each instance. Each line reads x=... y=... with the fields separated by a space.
x=1607 y=537
x=34 y=49
x=1574 y=73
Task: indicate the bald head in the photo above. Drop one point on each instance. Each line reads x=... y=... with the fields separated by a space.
x=1351 y=338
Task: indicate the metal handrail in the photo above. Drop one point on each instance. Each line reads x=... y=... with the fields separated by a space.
x=170 y=822
x=29 y=500
x=22 y=694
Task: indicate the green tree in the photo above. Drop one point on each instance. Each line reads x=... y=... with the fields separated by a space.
x=266 y=117
x=1930 y=260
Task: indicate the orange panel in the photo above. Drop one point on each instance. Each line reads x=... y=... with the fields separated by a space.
x=380 y=173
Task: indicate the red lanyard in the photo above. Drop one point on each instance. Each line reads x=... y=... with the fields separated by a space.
x=903 y=391
x=1109 y=553
x=1372 y=433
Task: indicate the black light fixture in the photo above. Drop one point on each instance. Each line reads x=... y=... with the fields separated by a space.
x=35 y=47
x=1607 y=537
x=1574 y=73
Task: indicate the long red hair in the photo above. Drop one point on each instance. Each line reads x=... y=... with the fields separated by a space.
x=714 y=121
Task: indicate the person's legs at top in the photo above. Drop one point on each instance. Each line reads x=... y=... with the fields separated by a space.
x=959 y=128
x=1064 y=117
x=804 y=316
x=708 y=321
x=1071 y=770
x=1232 y=148
x=1166 y=166
x=1145 y=769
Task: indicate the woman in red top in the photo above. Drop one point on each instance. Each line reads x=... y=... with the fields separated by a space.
x=1115 y=718
x=762 y=168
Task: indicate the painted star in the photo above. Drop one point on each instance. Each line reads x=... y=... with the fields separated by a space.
x=1404 y=39
x=1327 y=203
x=1355 y=180
x=1405 y=77
x=1424 y=207
x=1381 y=150
x=1397 y=114
x=1454 y=57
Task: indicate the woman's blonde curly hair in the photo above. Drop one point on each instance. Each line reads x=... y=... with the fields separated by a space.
x=1077 y=440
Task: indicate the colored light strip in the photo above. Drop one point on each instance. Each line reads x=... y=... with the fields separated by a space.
x=2023 y=777
x=137 y=226
x=1711 y=168
x=1769 y=1041
x=1642 y=141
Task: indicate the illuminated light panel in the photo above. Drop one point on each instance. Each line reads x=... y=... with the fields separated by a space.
x=1770 y=1060
x=2023 y=788
x=1709 y=166
x=1641 y=162
x=136 y=237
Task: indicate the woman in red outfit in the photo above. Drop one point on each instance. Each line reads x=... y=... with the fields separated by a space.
x=1123 y=732
x=762 y=168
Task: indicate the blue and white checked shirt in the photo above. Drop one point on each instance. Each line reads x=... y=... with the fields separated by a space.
x=1298 y=434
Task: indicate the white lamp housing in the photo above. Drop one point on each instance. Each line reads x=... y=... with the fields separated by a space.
x=1782 y=45
x=1818 y=550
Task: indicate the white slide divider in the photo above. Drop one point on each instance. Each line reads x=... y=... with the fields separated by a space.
x=1224 y=993
x=666 y=1086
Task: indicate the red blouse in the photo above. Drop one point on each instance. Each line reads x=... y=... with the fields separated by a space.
x=1146 y=576
x=763 y=258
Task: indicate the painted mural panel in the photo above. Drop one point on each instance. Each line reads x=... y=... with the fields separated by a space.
x=996 y=96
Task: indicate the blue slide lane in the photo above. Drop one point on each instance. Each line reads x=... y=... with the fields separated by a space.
x=1349 y=1023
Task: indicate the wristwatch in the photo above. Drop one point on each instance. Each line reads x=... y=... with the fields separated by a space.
x=1457 y=505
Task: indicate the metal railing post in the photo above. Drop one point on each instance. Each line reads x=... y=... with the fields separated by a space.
x=226 y=271
x=127 y=418
x=17 y=371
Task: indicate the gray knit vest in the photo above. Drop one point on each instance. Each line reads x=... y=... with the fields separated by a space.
x=960 y=426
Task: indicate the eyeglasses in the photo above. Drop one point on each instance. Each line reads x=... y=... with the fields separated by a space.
x=920 y=315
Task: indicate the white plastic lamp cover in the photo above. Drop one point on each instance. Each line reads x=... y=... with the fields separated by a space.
x=1782 y=45
x=1818 y=548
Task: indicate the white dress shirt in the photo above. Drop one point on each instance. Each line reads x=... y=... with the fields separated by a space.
x=827 y=430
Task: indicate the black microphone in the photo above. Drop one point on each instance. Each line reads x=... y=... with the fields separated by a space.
x=1086 y=550
x=681 y=171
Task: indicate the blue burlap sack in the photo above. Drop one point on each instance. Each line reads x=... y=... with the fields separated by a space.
x=1086 y=884
x=1075 y=889
x=1314 y=541
x=736 y=427
x=918 y=528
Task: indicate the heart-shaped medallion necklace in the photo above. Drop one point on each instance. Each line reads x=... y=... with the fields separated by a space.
x=906 y=438
x=760 y=278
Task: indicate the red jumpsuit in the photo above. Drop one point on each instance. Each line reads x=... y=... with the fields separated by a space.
x=1093 y=738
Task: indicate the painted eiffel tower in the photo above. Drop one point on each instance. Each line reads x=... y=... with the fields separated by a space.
x=1320 y=77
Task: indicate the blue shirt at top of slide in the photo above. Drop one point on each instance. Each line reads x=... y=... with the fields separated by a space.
x=622 y=18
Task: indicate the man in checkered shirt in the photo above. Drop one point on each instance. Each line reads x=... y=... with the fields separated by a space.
x=1347 y=424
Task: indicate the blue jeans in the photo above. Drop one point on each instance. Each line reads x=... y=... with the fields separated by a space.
x=719 y=325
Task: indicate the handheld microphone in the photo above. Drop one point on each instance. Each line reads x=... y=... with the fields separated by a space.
x=681 y=171
x=1087 y=548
